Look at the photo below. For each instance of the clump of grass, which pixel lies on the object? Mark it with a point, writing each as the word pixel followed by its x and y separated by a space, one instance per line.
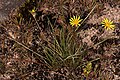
pixel 67 50
pixel 64 51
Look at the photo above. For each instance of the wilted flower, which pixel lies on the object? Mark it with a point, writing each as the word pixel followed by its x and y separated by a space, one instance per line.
pixel 33 12
pixel 87 69
pixel 75 21
pixel 108 24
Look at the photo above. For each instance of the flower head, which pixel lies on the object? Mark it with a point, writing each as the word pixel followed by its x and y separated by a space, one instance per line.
pixel 87 69
pixel 75 21
pixel 33 12
pixel 108 24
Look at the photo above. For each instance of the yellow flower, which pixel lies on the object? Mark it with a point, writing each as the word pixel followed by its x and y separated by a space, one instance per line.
pixel 108 24
pixel 75 21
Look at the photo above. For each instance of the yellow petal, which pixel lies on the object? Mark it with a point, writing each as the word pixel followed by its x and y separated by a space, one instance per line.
pixel 73 17
pixel 78 17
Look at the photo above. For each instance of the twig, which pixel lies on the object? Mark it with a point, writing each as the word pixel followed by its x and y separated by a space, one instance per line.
pixel 86 17
pixel 37 23
pixel 26 47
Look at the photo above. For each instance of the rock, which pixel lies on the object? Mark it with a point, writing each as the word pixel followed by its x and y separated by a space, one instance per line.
pixel 6 6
